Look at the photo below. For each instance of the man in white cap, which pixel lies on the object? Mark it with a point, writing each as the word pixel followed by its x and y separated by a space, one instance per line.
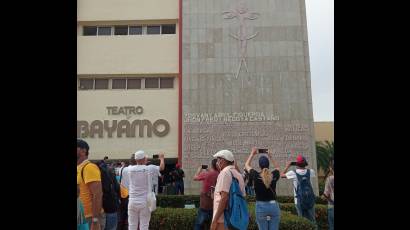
pixel 136 178
pixel 226 166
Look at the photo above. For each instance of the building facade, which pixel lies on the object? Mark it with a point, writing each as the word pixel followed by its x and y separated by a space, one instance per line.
pixel 191 77
pixel 128 68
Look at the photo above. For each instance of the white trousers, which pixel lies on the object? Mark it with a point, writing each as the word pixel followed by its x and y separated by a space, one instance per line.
pixel 138 213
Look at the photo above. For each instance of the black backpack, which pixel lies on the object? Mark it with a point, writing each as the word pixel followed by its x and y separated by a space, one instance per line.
pixel 110 189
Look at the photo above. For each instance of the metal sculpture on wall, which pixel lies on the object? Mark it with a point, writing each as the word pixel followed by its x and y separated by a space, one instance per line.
pixel 242 13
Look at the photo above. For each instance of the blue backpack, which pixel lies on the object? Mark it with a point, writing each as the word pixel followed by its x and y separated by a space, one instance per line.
pixel 304 191
pixel 236 215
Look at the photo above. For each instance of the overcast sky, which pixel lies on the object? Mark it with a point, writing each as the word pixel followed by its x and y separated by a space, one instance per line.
pixel 320 22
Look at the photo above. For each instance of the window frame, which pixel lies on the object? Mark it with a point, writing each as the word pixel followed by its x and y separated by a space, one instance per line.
pixel 111 30
pixel 112 83
pixel 128 28
pixel 134 78
pixel 79 83
pixel 108 83
pixel 96 30
pixel 145 80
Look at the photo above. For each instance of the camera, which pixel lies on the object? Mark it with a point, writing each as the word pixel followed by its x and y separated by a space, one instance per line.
pixel 156 156
pixel 293 163
pixel 204 166
pixel 262 150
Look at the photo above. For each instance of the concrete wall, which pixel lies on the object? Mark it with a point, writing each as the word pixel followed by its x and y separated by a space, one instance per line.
pixel 97 10
pixel 276 87
pixel 324 131
pixel 157 104
pixel 127 54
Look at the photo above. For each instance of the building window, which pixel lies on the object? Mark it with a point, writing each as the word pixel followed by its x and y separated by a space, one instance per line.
pixel 134 83
pixel 101 83
pixel 135 30
pixel 104 30
pixel 86 84
pixel 119 84
pixel 121 30
pixel 89 30
pixel 168 29
pixel 166 83
pixel 153 29
pixel 151 83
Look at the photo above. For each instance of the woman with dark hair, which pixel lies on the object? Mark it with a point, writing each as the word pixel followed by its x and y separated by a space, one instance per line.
pixel 267 209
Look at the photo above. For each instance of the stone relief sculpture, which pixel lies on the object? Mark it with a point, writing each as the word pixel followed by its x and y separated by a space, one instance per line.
pixel 241 13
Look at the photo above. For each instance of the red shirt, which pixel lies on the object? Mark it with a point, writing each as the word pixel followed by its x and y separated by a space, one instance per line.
pixel 208 179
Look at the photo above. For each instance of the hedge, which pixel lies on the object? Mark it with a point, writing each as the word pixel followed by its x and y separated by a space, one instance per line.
pixel 184 219
pixel 320 210
pixel 175 201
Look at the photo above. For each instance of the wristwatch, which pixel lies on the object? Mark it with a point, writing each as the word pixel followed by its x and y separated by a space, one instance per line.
pixel 95 219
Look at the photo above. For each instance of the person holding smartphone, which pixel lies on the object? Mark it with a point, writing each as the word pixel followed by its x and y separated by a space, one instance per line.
pixel 301 177
pixel 267 209
pixel 208 178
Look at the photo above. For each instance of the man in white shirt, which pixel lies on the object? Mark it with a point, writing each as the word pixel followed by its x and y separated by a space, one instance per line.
pixel 135 179
pixel 228 168
pixel 301 170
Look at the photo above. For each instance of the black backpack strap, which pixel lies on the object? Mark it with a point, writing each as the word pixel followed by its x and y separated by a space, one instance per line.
pixel 82 172
pixel 122 169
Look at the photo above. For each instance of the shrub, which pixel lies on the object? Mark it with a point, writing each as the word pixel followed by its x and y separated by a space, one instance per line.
pixel 320 210
pixel 175 201
pixel 184 219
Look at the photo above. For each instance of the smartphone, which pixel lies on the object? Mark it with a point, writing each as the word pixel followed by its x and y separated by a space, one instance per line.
pixel 204 166
pixel 262 150
pixel 292 163
pixel 156 156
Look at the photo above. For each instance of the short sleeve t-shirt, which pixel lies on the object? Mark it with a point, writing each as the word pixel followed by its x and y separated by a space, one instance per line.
pixel 208 179
pixel 292 175
pixel 223 184
pixel 263 193
pixel 136 178
pixel 91 173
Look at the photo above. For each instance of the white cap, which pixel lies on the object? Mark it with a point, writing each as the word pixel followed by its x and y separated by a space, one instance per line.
pixel 225 154
pixel 139 155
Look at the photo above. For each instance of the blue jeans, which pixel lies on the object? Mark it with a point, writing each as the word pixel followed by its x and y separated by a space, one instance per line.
pixel 330 217
pixel 179 186
pixel 267 215
pixel 111 221
pixel 307 213
pixel 203 215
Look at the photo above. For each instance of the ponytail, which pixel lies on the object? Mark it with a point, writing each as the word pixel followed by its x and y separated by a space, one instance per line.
pixel 266 177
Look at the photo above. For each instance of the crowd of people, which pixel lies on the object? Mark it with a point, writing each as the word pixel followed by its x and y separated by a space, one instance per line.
pixel 120 195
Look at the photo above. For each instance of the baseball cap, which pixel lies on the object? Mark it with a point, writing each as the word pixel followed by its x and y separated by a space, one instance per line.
pixel 263 162
pixel 82 144
pixel 225 154
pixel 140 154
pixel 301 161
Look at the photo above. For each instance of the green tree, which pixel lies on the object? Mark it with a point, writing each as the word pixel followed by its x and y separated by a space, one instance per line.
pixel 324 152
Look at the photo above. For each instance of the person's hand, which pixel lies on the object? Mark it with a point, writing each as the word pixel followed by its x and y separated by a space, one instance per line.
pixel 254 151
pixel 288 164
pixel 213 225
pixel 161 156
pixel 95 226
pixel 270 154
